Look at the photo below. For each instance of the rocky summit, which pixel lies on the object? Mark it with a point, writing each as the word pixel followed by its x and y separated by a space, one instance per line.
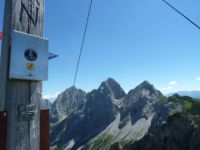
pixel 70 100
pixel 108 118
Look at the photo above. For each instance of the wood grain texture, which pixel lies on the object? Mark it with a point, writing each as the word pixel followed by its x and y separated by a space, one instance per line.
pixel 21 135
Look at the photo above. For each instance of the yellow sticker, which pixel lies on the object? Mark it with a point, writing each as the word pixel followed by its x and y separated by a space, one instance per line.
pixel 30 66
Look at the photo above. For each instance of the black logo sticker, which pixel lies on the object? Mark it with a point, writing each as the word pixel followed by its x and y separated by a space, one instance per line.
pixel 30 54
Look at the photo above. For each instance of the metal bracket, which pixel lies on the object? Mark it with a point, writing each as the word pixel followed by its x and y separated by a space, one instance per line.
pixel 26 112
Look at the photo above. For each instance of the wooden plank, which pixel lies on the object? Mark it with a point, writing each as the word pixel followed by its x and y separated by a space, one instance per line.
pixel 26 16
pixel 3 126
pixel 44 130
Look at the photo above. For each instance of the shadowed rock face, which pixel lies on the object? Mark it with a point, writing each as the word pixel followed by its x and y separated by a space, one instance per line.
pixel 181 132
pixel 98 112
pixel 143 102
pixel 115 88
pixel 70 100
pixel 144 91
pixel 109 111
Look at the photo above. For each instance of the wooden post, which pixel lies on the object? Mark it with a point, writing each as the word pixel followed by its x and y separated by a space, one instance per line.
pixel 3 127
pixel 44 130
pixel 26 16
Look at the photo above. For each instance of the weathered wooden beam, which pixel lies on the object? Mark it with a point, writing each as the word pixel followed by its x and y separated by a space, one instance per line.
pixel 26 16
pixel 44 130
pixel 3 127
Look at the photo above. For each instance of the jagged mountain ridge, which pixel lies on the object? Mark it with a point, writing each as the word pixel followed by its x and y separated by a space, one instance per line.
pixel 110 114
pixel 99 111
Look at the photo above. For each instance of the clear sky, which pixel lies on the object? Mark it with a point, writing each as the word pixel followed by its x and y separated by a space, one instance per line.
pixel 128 40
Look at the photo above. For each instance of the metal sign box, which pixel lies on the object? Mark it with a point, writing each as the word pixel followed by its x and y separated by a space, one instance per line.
pixel 29 57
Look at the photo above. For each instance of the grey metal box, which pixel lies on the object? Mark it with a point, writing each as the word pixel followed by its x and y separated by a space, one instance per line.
pixel 29 57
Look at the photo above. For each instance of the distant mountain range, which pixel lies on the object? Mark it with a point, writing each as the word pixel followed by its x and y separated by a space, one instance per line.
pixel 109 119
pixel 194 94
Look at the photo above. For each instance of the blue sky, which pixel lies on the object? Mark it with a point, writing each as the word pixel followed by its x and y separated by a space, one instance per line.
pixel 128 40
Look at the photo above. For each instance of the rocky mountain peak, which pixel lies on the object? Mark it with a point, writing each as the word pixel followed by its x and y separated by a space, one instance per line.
pixel 73 92
pixel 147 86
pixel 70 100
pixel 142 97
pixel 72 89
pixel 110 86
pixel 145 89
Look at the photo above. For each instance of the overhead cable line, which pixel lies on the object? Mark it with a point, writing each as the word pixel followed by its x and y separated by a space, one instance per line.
pixel 179 12
pixel 83 42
